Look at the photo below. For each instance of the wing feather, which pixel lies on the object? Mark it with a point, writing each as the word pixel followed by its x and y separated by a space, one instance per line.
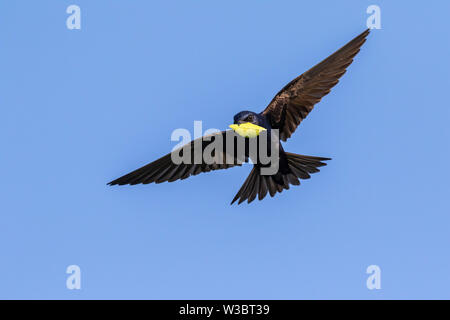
pixel 296 100
pixel 164 169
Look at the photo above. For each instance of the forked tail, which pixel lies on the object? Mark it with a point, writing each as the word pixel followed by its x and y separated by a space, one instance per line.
pixel 298 167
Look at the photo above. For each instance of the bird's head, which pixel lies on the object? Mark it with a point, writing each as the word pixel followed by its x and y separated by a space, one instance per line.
pixel 248 124
pixel 247 116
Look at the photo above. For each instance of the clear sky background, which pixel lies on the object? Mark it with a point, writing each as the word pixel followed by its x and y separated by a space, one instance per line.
pixel 82 107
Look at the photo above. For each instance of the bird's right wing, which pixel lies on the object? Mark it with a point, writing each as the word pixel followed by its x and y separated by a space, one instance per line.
pixel 294 102
pixel 164 169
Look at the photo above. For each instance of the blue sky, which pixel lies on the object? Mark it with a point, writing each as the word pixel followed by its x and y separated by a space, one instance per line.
pixel 82 107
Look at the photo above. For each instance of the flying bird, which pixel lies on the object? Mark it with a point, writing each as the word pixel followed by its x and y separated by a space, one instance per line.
pixel 285 112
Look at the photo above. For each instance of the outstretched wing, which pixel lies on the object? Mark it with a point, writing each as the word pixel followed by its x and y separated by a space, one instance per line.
pixel 293 103
pixel 164 169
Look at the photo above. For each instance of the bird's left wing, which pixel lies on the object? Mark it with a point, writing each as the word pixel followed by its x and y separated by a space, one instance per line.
pixel 293 103
pixel 164 169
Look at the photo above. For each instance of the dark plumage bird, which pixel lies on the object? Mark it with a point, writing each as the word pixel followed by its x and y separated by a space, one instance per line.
pixel 285 112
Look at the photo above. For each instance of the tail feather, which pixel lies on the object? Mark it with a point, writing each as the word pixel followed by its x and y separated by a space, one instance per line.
pixel 300 167
pixel 245 186
pixel 263 188
pixel 271 186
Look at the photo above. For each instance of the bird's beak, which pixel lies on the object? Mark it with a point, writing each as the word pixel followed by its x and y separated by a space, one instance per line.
pixel 247 129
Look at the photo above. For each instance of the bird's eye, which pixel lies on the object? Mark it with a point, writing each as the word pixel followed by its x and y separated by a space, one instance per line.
pixel 250 118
